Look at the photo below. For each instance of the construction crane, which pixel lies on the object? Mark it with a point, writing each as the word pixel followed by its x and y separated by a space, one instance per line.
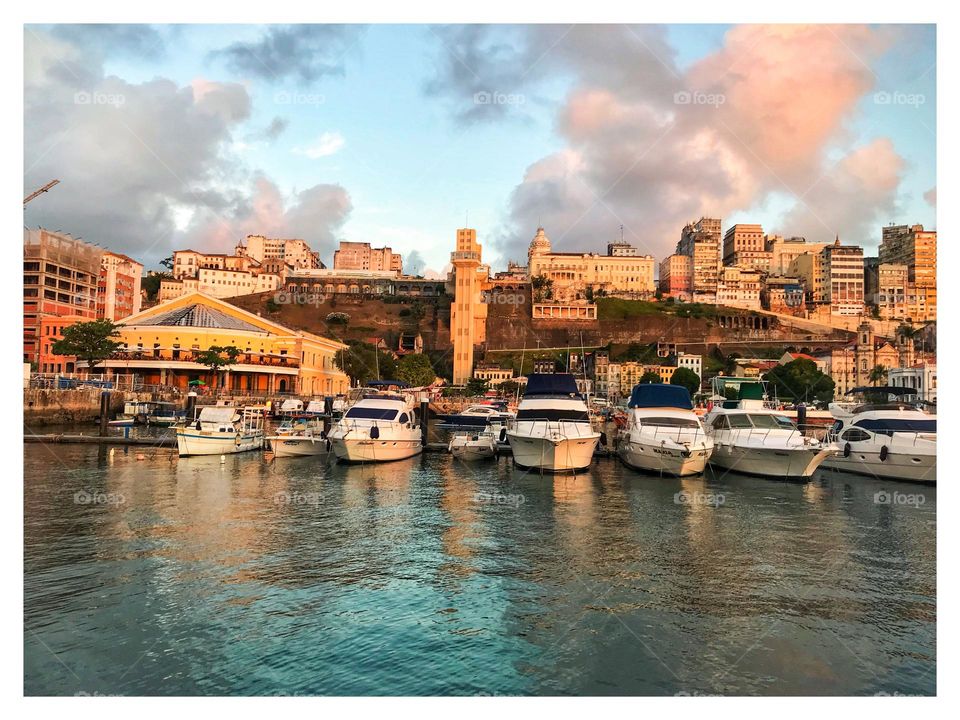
pixel 44 189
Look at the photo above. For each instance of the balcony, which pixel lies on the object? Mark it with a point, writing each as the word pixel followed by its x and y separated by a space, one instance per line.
pixel 170 355
pixel 464 255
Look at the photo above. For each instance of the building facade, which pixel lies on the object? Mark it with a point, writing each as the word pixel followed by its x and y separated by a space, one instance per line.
pixel 360 256
pixel 783 251
pixel 468 312
pixel 841 278
pixel 676 277
pixel 744 245
pixel 916 248
pixel 921 377
pixel 118 286
pixel 782 294
pixel 739 287
pixel 293 253
pixel 701 242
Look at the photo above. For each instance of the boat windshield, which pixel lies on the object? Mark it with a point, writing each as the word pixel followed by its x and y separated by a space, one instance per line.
pixel 670 422
pixel 771 422
pixel 371 413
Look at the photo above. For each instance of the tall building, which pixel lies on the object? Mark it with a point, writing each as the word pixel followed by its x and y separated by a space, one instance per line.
pixel 895 297
pixel 118 286
pixel 219 275
pixel 739 287
pixel 783 250
pixel 700 241
pixel 916 248
pixel 745 245
pixel 60 276
pixel 468 312
pixel 806 268
pixel 573 274
pixel 676 277
pixel 293 252
pixel 841 278
pixel 360 256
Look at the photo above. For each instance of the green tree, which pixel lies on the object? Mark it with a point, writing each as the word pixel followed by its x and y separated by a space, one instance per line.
pixel 167 262
pixel 360 361
pixel 416 370
pixel 476 387
pixel 649 377
pixel 542 288
pixel 687 378
pixel 878 375
pixel 92 342
pixel 800 381
pixel 217 357
pixel 151 284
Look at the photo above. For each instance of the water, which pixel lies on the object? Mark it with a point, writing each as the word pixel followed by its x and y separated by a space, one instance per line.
pixel 428 576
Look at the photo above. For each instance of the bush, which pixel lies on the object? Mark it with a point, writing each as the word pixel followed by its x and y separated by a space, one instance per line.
pixel 338 318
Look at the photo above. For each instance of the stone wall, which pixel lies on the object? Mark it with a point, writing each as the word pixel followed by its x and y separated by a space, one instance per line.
pixel 55 407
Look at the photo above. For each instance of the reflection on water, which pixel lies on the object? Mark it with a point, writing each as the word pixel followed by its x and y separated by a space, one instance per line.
pixel 433 576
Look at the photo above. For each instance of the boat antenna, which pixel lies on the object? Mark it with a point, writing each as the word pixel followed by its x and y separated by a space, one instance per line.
pixel 522 353
pixel 583 367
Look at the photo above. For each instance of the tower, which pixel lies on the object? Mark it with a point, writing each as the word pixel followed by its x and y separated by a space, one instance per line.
pixel 468 311
pixel 863 354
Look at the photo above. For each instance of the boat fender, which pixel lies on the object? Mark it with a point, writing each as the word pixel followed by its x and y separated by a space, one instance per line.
pixel 329 445
pixel 236 440
pixel 884 453
pixel 846 450
pixel 374 432
pixel 603 439
pixel 503 434
pixel 198 424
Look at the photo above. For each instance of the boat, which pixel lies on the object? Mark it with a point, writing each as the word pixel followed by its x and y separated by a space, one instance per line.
pixel 289 408
pixel 552 430
pixel 131 412
pixel 340 405
pixel 479 415
pixel 750 437
pixel 222 429
pixel 663 434
pixel 164 414
pixel 882 436
pixel 381 426
pixel 299 439
pixel 477 445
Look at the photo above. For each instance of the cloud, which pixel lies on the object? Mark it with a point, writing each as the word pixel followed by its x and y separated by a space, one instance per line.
pixel 651 146
pixel 931 196
pixel 271 132
pixel 144 42
pixel 307 52
pixel 139 162
pixel 329 143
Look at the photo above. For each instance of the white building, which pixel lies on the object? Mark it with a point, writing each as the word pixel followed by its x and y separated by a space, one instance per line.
pixel 922 378
pixel 691 362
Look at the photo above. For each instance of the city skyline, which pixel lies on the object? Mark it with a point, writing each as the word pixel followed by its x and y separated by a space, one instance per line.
pixel 392 134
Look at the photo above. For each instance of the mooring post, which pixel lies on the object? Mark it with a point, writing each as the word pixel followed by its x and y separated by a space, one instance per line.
pixel 191 408
pixel 104 412
pixel 327 414
pixel 424 423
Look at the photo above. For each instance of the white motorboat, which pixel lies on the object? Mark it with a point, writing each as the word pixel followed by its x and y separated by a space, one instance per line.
pixel 478 445
pixel 663 434
pixel 222 429
pixel 882 437
pixel 750 438
pixel 380 427
pixel 552 430
pixel 479 415
pixel 299 444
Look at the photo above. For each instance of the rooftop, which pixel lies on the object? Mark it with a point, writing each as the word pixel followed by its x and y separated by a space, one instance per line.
pixel 197 315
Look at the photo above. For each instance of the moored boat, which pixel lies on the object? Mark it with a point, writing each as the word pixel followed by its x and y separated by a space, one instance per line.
pixel 478 445
pixel 219 430
pixel 381 426
pixel 663 434
pixel 479 415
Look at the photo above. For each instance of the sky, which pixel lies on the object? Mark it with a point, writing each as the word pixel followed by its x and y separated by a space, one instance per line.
pixel 168 137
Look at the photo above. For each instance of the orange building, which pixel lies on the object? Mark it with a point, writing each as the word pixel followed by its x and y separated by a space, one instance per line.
pixel 118 287
pixel 51 329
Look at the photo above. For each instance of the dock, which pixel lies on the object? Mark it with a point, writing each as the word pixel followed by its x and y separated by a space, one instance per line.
pixel 52 439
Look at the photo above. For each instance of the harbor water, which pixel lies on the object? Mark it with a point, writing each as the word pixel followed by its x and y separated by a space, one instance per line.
pixel 146 574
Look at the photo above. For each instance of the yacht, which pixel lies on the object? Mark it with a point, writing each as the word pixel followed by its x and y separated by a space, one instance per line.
pixel 479 415
pixel 663 434
pixel 381 426
pixel 552 430
pixel 881 436
pixel 476 445
pixel 751 438
pixel 222 429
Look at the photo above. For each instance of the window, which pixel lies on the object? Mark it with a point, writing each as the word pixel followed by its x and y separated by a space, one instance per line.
pixel 855 435
pixel 720 423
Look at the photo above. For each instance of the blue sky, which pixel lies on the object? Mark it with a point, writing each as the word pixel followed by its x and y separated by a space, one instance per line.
pixel 388 130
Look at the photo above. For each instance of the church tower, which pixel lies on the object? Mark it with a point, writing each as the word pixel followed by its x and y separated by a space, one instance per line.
pixel 864 355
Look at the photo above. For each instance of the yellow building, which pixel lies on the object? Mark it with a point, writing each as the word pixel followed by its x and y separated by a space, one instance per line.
pixel 468 312
pixel 158 346
pixel 621 272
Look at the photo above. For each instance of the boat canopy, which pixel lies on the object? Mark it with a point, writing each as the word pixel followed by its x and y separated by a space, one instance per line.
pixel 550 384
pixel 291 405
pixel 751 391
pixel 218 414
pixel 651 395
pixel 387 383
pixel 888 426
pixel 883 389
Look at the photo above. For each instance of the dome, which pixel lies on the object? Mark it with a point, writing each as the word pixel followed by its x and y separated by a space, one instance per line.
pixel 540 243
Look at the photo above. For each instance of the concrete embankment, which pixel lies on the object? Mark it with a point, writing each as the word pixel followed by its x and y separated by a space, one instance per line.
pixel 60 407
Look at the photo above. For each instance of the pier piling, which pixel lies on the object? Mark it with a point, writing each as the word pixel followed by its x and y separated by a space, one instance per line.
pixel 104 412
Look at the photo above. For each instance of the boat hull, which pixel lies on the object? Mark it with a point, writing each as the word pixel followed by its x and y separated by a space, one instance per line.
pixel 292 446
pixel 553 454
pixel 794 463
pixel 194 442
pixel 357 450
pixel 654 458
pixel 897 466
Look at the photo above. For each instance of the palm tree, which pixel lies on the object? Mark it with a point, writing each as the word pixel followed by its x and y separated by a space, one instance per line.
pixel 878 375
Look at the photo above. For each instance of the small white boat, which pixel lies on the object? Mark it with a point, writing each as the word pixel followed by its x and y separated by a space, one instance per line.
pixel 663 435
pixel 552 430
pixel 299 444
pixel 381 426
pixel 164 414
pixel 883 438
pixel 750 438
pixel 474 446
pixel 219 430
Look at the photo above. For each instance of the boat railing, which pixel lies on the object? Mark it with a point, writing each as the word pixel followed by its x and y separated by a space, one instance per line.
pixel 679 435
pixel 911 436
pixel 549 426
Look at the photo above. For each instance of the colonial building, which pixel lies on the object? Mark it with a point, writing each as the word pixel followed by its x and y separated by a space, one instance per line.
pixel 220 275
pixel 360 256
pixel 851 366
pixel 739 287
pixel 494 375
pixel 575 276
pixel 781 294
pixel 921 377
pixel 118 286
pixel 293 253
pixel 327 281
pixel 60 278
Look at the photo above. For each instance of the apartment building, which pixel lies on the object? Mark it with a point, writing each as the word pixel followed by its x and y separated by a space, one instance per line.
pixel 784 250
pixel 360 256
pixel 118 286
pixel 841 278
pixel 744 245
pixel 676 277
pixel 916 248
pixel 279 252
pixel 739 287
pixel 701 241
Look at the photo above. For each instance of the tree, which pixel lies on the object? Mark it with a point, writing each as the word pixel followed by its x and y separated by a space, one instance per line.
pixel 649 377
pixel 508 388
pixel 416 370
pixel 362 360
pixel 800 381
pixel 687 378
pixel 476 387
pixel 167 262
pixel 878 375
pixel 217 357
pixel 151 284
pixel 542 288
pixel 92 342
